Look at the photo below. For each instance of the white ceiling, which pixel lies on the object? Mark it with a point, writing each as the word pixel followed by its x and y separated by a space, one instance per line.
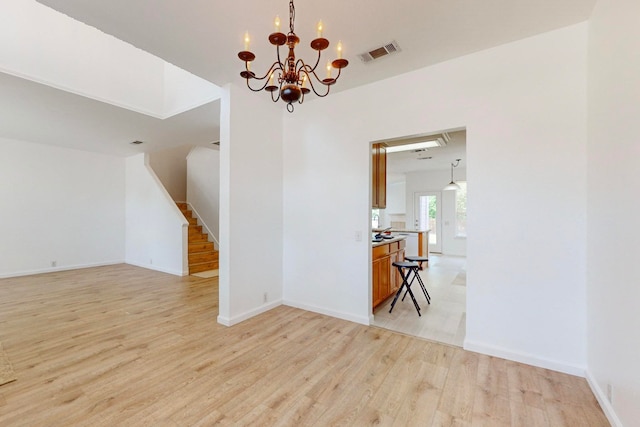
pixel 438 158
pixel 204 36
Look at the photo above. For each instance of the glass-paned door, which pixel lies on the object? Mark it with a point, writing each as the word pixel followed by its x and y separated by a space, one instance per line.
pixel 428 215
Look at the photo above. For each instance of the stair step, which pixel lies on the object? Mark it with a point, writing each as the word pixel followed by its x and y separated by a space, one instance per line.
pixel 192 221
pixel 182 206
pixel 198 238
pixel 195 229
pixel 203 257
pixel 200 247
pixel 204 266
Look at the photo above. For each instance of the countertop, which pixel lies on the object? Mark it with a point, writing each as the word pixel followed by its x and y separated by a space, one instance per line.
pixel 396 238
pixel 401 230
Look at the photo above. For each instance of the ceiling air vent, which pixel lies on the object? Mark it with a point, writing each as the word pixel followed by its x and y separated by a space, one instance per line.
pixel 380 52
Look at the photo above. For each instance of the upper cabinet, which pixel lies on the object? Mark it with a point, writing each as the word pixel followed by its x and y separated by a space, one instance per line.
pixel 379 176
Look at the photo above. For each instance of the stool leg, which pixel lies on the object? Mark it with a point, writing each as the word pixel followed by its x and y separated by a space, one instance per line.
pixel 424 288
pixel 393 303
pixel 408 286
pixel 413 298
pixel 409 283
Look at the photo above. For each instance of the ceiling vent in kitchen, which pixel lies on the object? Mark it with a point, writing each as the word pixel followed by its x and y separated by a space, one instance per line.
pixel 380 52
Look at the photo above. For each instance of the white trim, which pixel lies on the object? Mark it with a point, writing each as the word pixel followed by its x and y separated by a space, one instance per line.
pixel 216 244
pixel 249 314
pixel 363 320
pixel 60 268
pixel 529 359
pixel 160 269
pixel 606 406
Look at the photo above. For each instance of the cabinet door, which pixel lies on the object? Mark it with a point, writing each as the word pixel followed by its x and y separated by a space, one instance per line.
pixel 380 280
pixel 382 177
pixel 374 176
pixel 378 176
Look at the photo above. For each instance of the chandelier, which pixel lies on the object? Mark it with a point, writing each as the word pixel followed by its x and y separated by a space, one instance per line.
pixel 288 80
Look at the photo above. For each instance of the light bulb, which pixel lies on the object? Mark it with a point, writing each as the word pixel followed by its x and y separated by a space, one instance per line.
pixel 277 23
pixel 339 48
pixel 246 41
pixel 328 70
pixel 319 29
pixel 271 79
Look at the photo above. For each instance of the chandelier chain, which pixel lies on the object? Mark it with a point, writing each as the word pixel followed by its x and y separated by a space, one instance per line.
pixel 292 16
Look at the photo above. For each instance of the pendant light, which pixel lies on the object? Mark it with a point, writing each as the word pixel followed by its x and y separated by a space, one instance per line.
pixel 452 185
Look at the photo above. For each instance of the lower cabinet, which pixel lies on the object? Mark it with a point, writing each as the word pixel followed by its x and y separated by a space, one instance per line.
pixel 385 277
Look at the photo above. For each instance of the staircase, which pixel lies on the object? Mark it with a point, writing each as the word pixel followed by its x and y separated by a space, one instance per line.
pixel 202 255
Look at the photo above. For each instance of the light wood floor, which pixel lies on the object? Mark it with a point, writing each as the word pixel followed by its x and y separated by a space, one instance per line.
pixel 444 320
pixel 125 346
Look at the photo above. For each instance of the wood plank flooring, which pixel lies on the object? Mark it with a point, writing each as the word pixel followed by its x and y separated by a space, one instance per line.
pixel 125 346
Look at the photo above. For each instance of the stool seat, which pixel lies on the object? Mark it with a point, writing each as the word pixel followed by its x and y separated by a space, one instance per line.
pixel 418 259
pixel 405 264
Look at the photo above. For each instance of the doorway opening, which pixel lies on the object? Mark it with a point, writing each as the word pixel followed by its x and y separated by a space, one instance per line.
pixel 417 203
pixel 428 216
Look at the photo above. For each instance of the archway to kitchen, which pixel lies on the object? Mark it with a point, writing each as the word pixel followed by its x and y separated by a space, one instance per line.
pixel 408 177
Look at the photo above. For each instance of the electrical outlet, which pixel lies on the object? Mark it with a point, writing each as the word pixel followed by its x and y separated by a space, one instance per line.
pixel 358 236
pixel 265 297
pixel 610 393
pixel 54 263
pixel 151 261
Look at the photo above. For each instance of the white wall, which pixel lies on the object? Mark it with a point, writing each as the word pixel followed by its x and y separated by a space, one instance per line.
pixel 396 198
pixel 170 166
pixel 36 43
pixel 156 230
pixel 436 181
pixel 59 205
pixel 203 188
pixel 524 108
pixel 613 185
pixel 250 204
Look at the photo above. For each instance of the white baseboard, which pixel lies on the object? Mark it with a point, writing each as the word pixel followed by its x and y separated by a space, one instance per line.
pixel 363 320
pixel 527 359
pixel 160 269
pixel 601 396
pixel 59 268
pixel 230 321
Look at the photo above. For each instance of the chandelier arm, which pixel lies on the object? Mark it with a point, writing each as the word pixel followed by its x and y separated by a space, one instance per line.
pixel 317 62
pixel 277 97
pixel 313 88
pixel 275 66
pixel 278 55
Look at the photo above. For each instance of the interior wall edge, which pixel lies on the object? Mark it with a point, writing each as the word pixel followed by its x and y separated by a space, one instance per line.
pixel 337 314
pixel 529 359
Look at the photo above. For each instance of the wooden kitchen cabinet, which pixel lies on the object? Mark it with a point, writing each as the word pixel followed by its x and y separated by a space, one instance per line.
pixel 385 277
pixel 379 176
